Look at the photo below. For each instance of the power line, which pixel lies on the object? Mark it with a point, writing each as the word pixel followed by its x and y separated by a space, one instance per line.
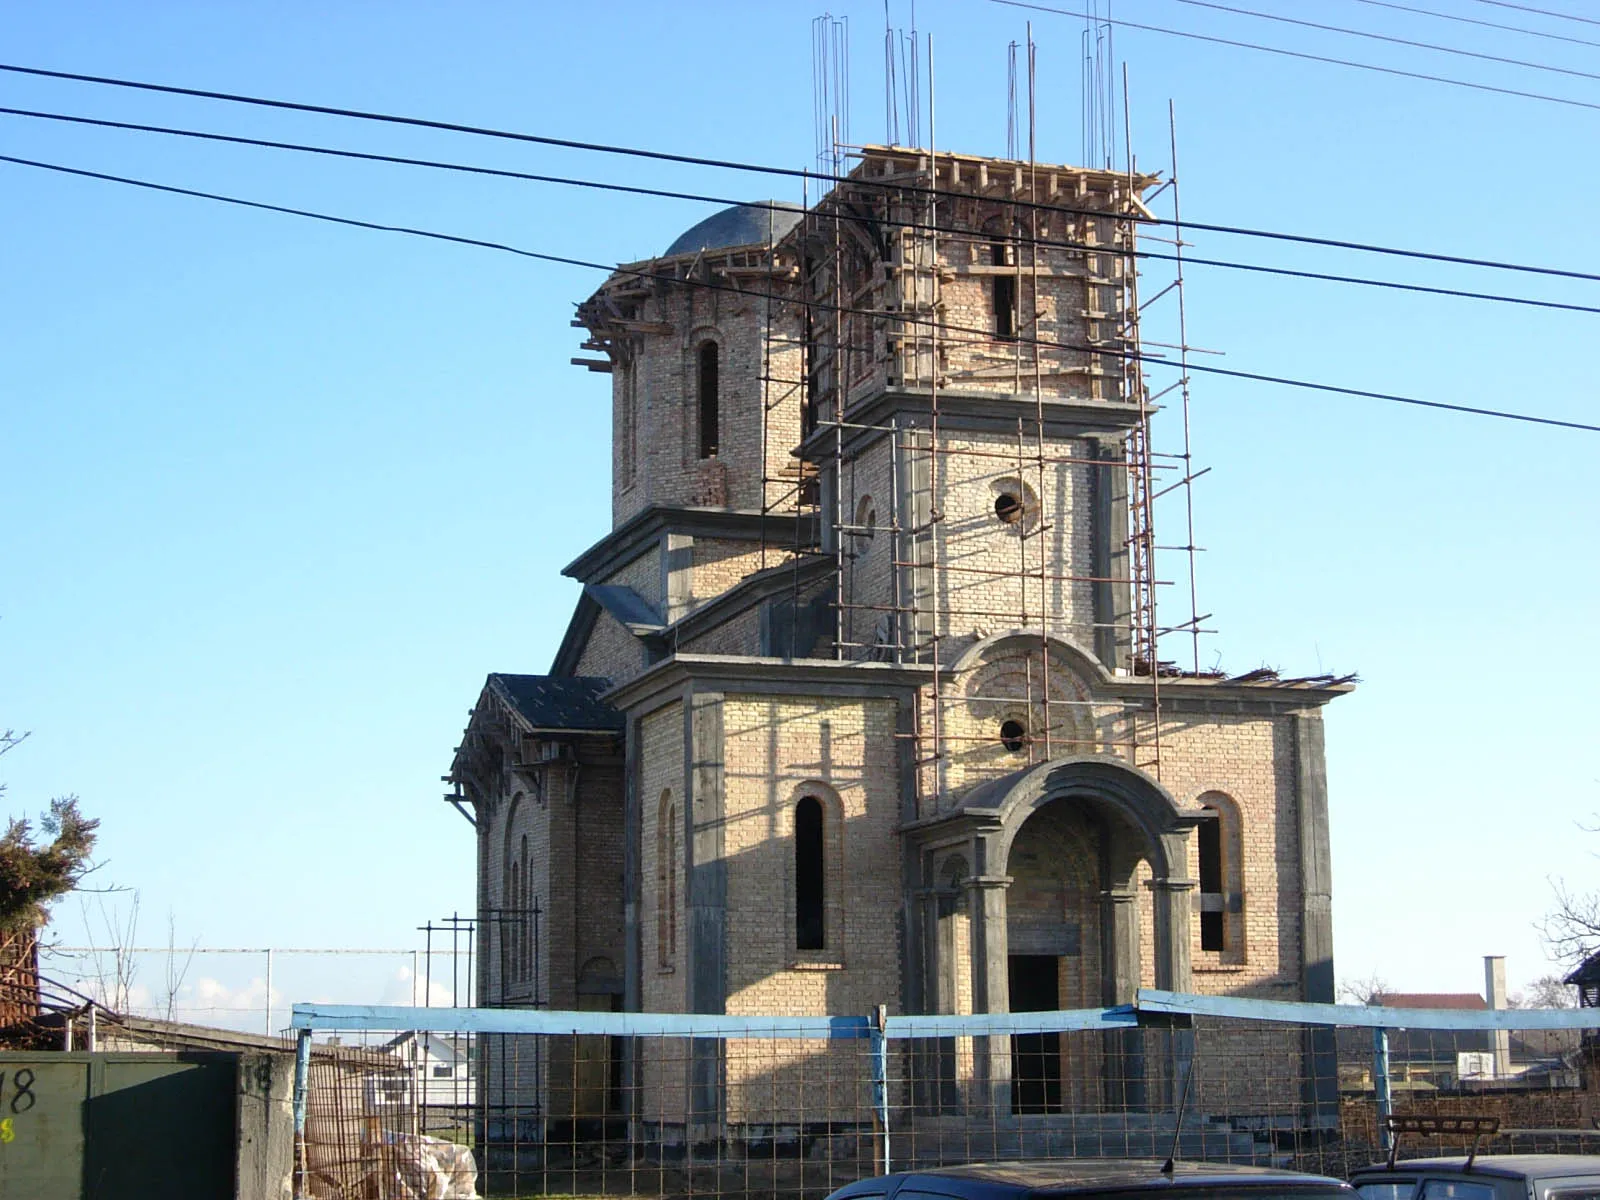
pixel 1429 12
pixel 1383 37
pixel 663 193
pixel 1543 12
pixel 814 176
pixel 904 318
pixel 1321 58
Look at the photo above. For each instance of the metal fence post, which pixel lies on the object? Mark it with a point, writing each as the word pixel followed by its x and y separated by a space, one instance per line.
pixel 879 1045
pixel 302 1088
pixel 1380 1085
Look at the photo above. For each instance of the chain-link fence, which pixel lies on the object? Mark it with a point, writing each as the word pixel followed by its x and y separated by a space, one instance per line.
pixel 582 1103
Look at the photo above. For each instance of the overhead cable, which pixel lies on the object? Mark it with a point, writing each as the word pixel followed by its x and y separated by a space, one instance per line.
pixel 795 173
pixel 1383 37
pixel 1444 16
pixel 664 193
pixel 1304 56
pixel 903 318
pixel 1543 12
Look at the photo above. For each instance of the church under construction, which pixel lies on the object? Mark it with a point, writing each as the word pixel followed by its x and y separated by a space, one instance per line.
pixel 861 703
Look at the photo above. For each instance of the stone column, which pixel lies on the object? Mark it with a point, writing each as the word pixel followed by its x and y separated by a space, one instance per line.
pixel 1321 1089
pixel 1172 933
pixel 1119 945
pixel 927 937
pixel 1172 962
pixel 991 992
pixel 1123 1073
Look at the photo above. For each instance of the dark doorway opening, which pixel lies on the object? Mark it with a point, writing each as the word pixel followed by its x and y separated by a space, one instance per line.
pixel 1035 984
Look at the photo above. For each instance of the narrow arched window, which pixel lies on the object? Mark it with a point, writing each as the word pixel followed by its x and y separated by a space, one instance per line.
pixel 809 876
pixel 627 422
pixel 672 883
pixel 1213 918
pixel 508 923
pixel 525 915
pixel 708 384
pixel 666 881
pixel 808 395
pixel 1005 294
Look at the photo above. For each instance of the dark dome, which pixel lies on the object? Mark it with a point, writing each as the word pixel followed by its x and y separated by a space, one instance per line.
pixel 757 224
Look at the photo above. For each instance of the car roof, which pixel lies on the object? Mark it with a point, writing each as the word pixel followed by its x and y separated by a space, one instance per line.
pixel 1095 1174
pixel 1514 1166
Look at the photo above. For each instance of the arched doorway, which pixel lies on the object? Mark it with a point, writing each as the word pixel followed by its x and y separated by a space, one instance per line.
pixel 1053 951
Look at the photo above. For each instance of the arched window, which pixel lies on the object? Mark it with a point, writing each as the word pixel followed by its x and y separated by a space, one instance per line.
pixel 666 881
pixel 509 922
pixel 808 396
pixel 708 384
pixel 627 422
pixel 866 526
pixel 1221 900
pixel 525 913
pixel 1213 924
pixel 810 877
pixel 1005 293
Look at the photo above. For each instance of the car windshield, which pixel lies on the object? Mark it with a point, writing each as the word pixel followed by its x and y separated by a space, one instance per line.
pixel 1388 1189
pixel 1285 1190
pixel 1456 1189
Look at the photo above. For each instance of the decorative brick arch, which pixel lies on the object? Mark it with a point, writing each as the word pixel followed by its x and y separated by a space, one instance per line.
pixel 1108 783
pixel 1142 823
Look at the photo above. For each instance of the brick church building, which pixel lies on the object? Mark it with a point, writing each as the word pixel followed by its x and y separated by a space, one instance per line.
pixel 861 702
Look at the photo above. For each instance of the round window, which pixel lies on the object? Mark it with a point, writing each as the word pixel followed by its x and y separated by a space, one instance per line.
pixel 1008 507
pixel 1013 736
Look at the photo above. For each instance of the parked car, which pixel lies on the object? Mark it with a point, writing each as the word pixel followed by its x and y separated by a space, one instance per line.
pixel 1096 1178
pixel 1485 1177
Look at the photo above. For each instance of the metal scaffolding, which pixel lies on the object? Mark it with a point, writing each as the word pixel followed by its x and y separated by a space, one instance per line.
pixel 861 304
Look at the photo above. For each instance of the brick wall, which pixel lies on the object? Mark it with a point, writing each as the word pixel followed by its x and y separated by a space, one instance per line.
pixel 1249 760
pixel 611 652
pixel 719 563
pixel 659 378
pixel 842 752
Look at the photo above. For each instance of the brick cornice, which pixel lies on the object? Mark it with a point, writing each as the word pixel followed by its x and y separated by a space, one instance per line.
pixel 752 674
pixel 640 533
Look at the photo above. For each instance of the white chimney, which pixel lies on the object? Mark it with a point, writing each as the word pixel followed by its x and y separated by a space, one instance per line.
pixel 1494 992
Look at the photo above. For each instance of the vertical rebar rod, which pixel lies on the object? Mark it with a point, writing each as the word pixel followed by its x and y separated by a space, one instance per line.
pixel 935 512
pixel 896 551
pixel 1038 398
pixel 1183 378
pixel 841 381
pixel 1145 536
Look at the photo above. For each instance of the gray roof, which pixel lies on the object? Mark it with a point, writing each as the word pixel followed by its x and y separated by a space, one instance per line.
pixel 560 702
pixel 630 609
pixel 757 224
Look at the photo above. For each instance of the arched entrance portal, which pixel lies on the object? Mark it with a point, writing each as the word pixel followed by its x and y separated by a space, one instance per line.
pixel 1052 908
pixel 1053 950
pixel 1072 941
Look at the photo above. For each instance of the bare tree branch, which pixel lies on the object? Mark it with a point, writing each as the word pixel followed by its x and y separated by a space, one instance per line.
pixel 1545 992
pixel 176 973
pixel 1368 990
pixel 1571 930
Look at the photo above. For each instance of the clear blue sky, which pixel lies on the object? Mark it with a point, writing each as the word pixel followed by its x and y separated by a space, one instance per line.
pixel 278 495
